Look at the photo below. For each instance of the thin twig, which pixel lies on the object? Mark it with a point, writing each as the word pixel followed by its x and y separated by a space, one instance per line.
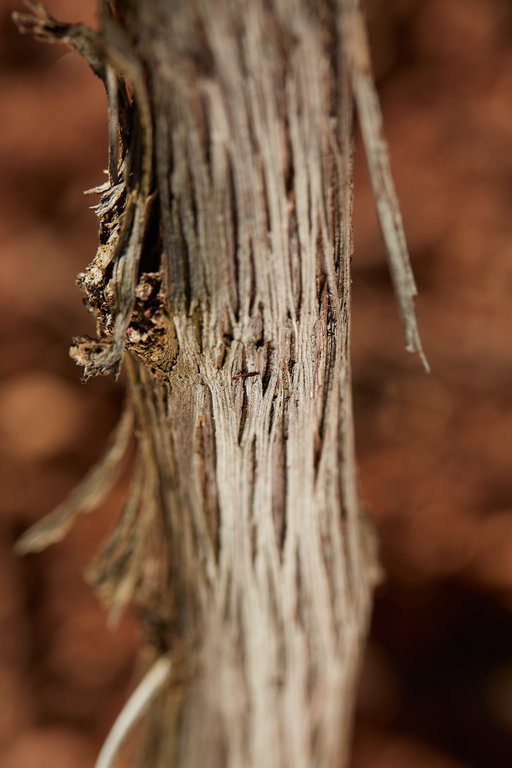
pixel 46 29
pixel 85 497
pixel 356 47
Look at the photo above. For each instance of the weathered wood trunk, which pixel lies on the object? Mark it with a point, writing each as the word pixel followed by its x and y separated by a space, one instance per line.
pixel 222 281
pixel 267 587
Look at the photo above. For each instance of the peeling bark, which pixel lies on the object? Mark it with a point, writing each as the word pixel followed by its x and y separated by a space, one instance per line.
pixel 222 283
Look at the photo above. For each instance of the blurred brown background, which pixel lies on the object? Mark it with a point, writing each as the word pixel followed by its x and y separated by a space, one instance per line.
pixel 434 452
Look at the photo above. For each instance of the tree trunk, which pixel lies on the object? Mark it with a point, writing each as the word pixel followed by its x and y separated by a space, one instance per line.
pixel 222 281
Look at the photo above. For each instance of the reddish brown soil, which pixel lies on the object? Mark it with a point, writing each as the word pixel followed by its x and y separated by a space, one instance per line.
pixel 435 452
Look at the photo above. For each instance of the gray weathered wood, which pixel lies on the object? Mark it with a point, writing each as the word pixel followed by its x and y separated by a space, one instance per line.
pixel 222 284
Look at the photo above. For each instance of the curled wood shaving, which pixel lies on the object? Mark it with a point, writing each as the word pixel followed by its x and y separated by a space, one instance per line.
pixel 146 691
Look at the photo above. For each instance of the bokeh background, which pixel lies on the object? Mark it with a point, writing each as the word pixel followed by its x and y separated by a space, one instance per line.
pixel 435 453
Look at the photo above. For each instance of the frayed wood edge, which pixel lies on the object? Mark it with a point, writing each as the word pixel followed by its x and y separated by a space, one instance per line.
pixel 148 688
pixel 106 354
pixel 354 40
pixel 119 567
pixel 85 497
pixel 111 57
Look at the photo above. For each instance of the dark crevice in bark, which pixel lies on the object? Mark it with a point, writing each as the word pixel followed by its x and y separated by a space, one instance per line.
pixel 252 297
pixel 252 508
pixel 232 233
pixel 243 411
pixel 265 380
pixel 279 496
